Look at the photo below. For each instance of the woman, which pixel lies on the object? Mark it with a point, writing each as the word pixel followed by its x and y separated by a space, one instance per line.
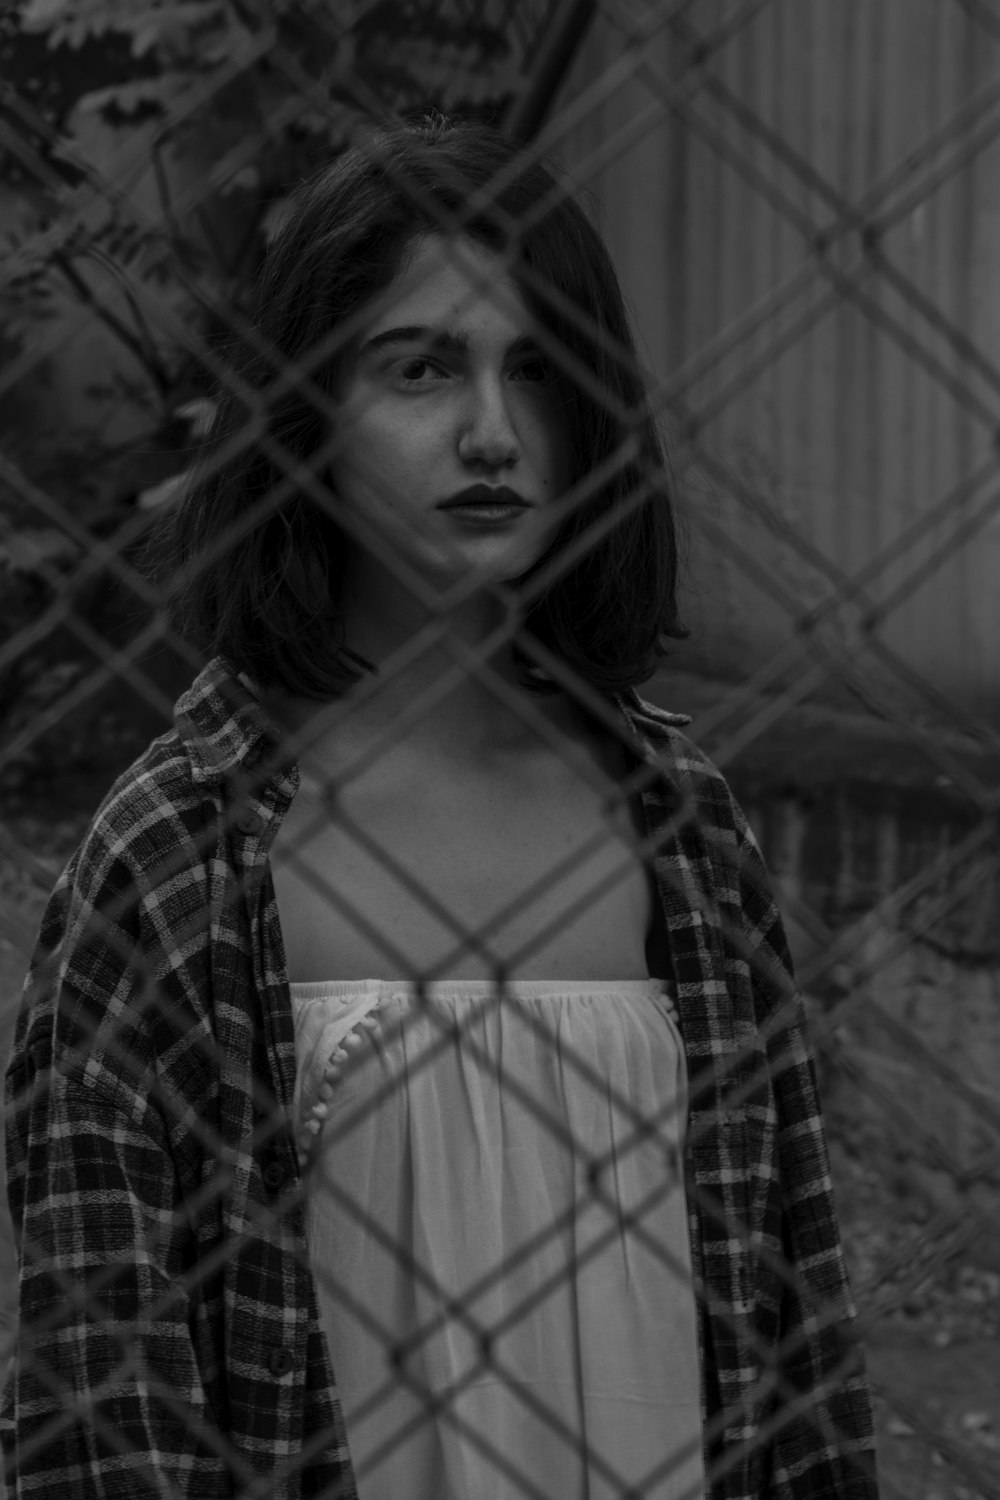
pixel 411 1097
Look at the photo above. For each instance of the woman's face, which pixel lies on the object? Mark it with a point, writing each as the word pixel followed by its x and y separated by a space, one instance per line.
pixel 450 439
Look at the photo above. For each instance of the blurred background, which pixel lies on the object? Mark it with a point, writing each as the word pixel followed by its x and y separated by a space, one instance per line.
pixel 803 199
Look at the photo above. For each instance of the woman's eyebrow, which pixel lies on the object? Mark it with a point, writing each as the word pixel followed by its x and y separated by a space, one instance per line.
pixel 435 338
pixel 441 339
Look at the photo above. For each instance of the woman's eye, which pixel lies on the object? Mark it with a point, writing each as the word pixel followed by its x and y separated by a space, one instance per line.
pixel 534 370
pixel 418 371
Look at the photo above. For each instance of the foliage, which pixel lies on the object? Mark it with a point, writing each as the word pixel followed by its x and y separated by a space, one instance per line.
pixel 146 201
pixel 151 144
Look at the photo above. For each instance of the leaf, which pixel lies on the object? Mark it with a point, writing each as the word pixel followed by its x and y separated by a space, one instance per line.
pixel 975 1421
pixel 164 493
pixel 71 25
pixel 273 217
pixel 39 15
pixel 32 551
pixel 199 414
pixel 171 27
pixel 247 176
pixel 127 98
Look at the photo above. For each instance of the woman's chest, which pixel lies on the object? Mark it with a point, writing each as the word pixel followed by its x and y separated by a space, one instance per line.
pixel 537 881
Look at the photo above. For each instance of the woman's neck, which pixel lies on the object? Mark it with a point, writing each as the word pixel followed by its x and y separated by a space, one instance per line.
pixel 447 685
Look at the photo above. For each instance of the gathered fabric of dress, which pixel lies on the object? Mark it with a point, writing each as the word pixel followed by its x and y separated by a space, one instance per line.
pixel 497 1225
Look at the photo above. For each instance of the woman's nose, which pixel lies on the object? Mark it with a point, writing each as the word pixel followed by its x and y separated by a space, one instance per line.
pixel 488 435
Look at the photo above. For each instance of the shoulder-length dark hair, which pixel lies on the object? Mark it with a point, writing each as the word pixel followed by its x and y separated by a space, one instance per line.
pixel 258 560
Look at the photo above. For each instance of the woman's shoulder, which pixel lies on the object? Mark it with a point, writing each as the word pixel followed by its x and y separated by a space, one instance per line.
pixel 162 802
pixel 722 852
pixel 154 805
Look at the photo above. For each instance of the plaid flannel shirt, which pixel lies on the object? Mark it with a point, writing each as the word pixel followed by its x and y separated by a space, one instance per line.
pixel 169 1339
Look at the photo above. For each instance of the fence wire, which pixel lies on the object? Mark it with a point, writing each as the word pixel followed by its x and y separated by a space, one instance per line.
pixel 137 203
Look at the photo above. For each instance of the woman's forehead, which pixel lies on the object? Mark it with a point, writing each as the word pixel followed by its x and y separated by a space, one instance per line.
pixel 453 285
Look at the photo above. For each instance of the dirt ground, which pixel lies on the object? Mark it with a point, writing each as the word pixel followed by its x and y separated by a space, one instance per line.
pixel 933 1354
pixel 934 1358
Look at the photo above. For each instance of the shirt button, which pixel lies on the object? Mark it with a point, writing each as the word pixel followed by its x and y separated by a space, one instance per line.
pixel 280 1361
pixel 250 823
pixel 274 1175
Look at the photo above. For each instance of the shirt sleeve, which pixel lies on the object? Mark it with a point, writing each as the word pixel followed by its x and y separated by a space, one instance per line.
pixel 823 1442
pixel 107 1397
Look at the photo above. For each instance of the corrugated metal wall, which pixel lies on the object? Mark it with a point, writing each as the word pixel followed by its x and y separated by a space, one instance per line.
pixel 853 387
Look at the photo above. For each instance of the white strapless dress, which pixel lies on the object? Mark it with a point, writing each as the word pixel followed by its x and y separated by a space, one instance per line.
pixel 497 1224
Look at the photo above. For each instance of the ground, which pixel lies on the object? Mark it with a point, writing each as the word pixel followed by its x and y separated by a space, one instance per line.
pixel 933 1354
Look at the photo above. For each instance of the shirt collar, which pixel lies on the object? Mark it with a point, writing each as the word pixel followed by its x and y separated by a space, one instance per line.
pixel 222 724
pixel 647 724
pixel 225 728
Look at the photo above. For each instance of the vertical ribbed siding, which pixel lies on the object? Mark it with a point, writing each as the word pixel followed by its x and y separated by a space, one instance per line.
pixel 845 434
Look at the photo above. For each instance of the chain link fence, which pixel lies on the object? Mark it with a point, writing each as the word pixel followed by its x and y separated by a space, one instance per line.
pixel 149 153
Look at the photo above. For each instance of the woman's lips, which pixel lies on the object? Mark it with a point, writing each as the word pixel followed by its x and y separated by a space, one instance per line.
pixel 484 504
pixel 485 512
